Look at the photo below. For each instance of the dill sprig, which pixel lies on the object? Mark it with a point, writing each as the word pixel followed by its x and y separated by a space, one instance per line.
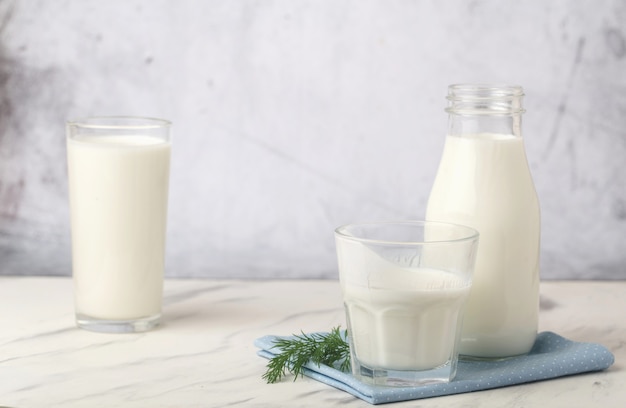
pixel 319 348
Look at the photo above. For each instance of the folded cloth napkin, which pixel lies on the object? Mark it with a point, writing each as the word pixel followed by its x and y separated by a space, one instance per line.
pixel 552 356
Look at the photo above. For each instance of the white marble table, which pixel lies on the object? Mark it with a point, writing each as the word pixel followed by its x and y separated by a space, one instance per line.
pixel 203 355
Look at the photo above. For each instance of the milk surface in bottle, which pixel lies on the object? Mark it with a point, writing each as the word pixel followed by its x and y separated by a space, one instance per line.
pixel 484 182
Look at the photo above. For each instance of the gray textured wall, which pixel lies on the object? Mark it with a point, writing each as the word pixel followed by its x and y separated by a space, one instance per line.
pixel 294 116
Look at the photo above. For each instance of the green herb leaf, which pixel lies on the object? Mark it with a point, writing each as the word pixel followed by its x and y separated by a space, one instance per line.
pixel 295 352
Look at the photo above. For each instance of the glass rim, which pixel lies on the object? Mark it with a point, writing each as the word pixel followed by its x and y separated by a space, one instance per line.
pixel 471 233
pixel 119 122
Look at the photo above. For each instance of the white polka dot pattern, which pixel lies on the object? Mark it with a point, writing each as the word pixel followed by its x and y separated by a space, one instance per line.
pixel 552 356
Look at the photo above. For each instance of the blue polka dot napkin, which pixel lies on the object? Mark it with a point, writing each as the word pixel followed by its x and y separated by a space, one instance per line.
pixel 552 356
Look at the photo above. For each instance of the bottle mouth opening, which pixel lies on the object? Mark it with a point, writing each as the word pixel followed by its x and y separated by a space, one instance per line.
pixel 485 99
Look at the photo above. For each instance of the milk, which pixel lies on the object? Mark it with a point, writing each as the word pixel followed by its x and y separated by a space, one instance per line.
pixel 118 198
pixel 484 182
pixel 402 318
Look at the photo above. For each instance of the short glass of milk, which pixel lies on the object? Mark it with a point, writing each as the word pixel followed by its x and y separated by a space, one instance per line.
pixel 404 287
pixel 118 169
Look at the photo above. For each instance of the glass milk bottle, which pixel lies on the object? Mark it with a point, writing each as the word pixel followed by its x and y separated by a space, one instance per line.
pixel 484 182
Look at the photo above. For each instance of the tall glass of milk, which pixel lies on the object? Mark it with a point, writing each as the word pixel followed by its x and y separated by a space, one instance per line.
pixel 118 171
pixel 404 285
pixel 484 182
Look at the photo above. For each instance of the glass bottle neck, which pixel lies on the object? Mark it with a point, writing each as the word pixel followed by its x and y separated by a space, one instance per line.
pixel 479 109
